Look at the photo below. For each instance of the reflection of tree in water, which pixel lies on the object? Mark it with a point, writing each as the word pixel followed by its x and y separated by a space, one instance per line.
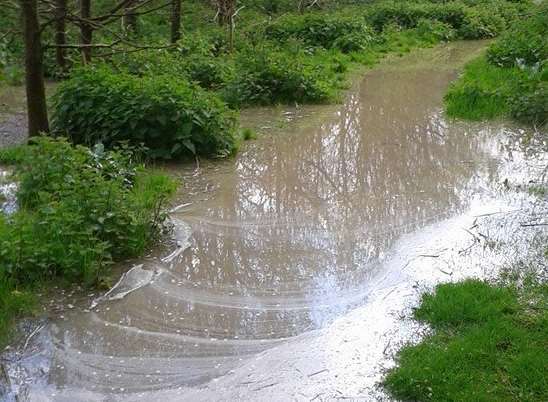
pixel 330 199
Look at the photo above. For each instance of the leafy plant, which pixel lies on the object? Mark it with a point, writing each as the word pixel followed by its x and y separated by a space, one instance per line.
pixel 268 74
pixel 80 210
pixel 435 31
pixel 345 33
pixel 470 22
pixel 530 103
pixel 172 118
pixel 526 43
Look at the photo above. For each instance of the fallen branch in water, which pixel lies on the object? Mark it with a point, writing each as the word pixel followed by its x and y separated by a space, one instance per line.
pixel 31 335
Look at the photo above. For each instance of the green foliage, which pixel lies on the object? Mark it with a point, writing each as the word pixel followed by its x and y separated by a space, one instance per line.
pixel 13 303
pixel 511 81
pixel 530 103
pixel 268 74
pixel 526 43
pixel 172 118
pixel 483 91
pixel 80 210
pixel 466 303
pixel 12 75
pixel 248 134
pixel 488 345
pixel 13 155
pixel 435 31
pixel 480 24
pixel 469 22
pixel 348 34
pixel 202 68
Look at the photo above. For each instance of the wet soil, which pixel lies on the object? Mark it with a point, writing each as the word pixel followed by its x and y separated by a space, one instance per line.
pixel 13 119
pixel 296 260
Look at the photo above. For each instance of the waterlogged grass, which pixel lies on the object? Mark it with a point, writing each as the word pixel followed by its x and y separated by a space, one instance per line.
pixel 488 344
pixel 483 91
pixel 80 210
pixel 512 80
pixel 14 303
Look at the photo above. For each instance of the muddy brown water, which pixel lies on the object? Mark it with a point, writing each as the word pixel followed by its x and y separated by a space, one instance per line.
pixel 277 244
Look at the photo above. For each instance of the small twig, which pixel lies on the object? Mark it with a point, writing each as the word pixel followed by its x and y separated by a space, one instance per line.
pixel 31 335
pixel 317 372
pixel 386 347
pixel 265 386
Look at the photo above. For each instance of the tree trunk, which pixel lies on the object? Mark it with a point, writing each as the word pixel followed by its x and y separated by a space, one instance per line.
pixel 129 20
pixel 86 30
pixel 60 35
pixel 37 112
pixel 175 20
pixel 225 9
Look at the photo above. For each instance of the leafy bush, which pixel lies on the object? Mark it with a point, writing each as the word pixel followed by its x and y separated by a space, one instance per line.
pixel 513 78
pixel 435 30
pixel 469 22
pixel 13 75
pixel 269 75
pixel 481 24
pixel 171 117
pixel 530 103
pixel 345 33
pixel 80 210
pixel 526 43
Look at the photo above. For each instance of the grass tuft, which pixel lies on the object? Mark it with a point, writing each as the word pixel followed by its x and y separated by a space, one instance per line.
pixel 488 344
pixel 483 91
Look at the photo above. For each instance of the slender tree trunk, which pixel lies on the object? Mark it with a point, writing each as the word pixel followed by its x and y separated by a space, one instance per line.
pixel 60 35
pixel 86 30
pixel 175 20
pixel 37 112
pixel 129 20
pixel 226 9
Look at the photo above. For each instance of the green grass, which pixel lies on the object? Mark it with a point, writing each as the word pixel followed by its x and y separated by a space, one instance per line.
pixel 511 80
pixel 489 343
pixel 483 91
pixel 14 303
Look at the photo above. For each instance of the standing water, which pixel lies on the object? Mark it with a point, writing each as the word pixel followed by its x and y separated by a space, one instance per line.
pixel 271 293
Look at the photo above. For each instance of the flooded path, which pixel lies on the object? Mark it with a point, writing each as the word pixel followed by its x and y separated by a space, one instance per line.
pixel 295 257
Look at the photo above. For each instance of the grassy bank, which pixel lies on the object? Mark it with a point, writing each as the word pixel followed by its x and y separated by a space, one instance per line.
pixel 511 80
pixel 79 211
pixel 488 344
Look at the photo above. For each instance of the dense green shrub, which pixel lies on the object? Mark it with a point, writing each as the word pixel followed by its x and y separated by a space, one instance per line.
pixel 481 24
pixel 204 69
pixel 469 22
pixel 345 33
pixel 268 74
pixel 80 210
pixel 526 43
pixel 171 117
pixel 530 103
pixel 435 31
